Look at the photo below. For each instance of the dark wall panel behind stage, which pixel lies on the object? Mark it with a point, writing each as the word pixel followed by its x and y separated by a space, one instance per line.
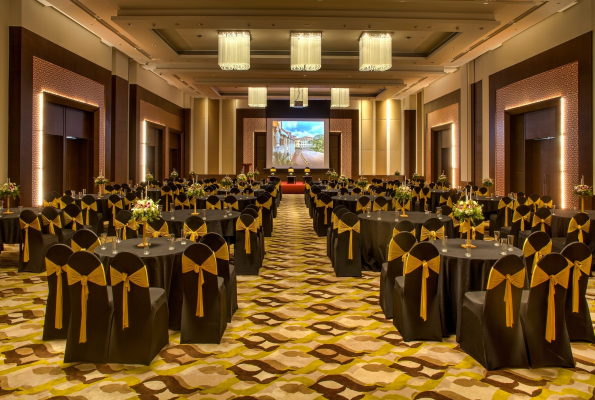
pixel 315 109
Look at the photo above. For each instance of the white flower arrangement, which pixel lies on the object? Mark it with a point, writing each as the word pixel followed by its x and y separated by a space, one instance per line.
pixel 487 182
pixel 362 182
pixel 195 190
pixel 10 189
pixel 100 180
pixel 250 175
pixel 468 209
pixel 442 178
pixel 226 182
pixel 241 178
pixel 583 190
pixel 174 174
pixel 145 210
pixel 149 177
pixel 402 194
pixel 343 178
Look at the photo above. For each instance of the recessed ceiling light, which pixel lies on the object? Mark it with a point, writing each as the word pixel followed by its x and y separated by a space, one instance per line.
pixel 198 36
pixel 452 48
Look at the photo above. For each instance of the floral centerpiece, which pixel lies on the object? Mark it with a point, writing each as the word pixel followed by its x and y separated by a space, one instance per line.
pixel 397 173
pixel 583 191
pixel 9 190
pixel 149 177
pixel 195 190
pixel 226 182
pixel 256 173
pixel 192 174
pixel 250 175
pixel 100 181
pixel 468 212
pixel 487 182
pixel 442 178
pixel 402 196
pixel 329 173
pixel 362 182
pixel 145 211
pixel 242 178
pixel 344 179
pixel 334 175
pixel 174 174
pixel 415 176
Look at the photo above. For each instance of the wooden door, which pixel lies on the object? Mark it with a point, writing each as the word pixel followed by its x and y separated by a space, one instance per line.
pixel 260 151
pixel 335 151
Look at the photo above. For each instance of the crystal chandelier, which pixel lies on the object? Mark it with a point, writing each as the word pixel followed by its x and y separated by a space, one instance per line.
pixel 257 97
pixel 306 51
pixel 375 51
pixel 234 50
pixel 339 97
pixel 298 97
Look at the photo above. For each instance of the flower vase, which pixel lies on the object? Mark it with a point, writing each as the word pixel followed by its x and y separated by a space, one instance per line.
pixel 7 206
pixel 195 201
pixel 582 203
pixel 100 190
pixel 468 245
pixel 403 215
pixel 144 243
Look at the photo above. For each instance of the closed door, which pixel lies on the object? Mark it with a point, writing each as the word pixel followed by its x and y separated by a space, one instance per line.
pixel 260 150
pixel 542 171
pixel 335 151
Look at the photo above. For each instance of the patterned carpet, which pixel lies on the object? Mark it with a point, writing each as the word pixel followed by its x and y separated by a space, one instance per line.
pixel 300 333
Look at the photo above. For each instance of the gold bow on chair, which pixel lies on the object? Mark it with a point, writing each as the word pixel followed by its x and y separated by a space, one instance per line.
pixel 127 202
pixel 343 227
pixel 222 253
pixel 502 204
pixel 163 231
pixel 139 278
pixel 267 204
pixel 97 277
pixel 518 280
pixel 235 205
pixel 396 231
pixel 113 206
pixel 167 194
pixel 359 206
pixel 75 246
pixel 581 228
pixel 326 206
pixel 464 227
pixel 85 206
pixel 52 223
pixel 35 225
pixel 579 267
pixel 132 224
pixel 543 221
pixel 450 203
pixel 53 203
pixel 412 264
pixel 377 207
pixel 561 278
pixel 61 204
pixel 443 200
pixel 516 216
pixel 428 234
pixel 210 265
pixel 52 268
pixel 252 228
pixel 529 250
pixel 185 203
pixel 76 220
pixel 194 235
pixel 395 251
pixel 399 207
pixel 216 206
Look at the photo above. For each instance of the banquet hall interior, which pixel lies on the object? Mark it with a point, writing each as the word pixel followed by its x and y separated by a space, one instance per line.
pixel 325 199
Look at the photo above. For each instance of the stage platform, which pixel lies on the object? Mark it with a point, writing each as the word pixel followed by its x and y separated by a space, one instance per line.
pixel 292 188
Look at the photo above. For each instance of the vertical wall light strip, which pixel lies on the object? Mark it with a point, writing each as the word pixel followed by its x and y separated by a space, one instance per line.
pixel 562 151
pixel 206 148
pixel 40 168
pixel 373 137
pixel 143 151
pixel 453 157
pixel 388 110
pixel 220 136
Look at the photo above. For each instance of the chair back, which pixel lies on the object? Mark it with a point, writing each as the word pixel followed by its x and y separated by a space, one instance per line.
pixel 115 203
pixel 482 191
pixel 348 234
pixel 253 213
pixel 380 203
pixel 50 200
pixel 324 205
pixel 580 257
pixel 57 309
pixel 362 203
pixel 521 200
pixel 432 229
pixel 69 192
pixel 356 191
pixel 503 295
pixel 130 228
pixel 84 240
pixel 537 246
pixel 404 226
pixel 73 217
pixel 231 201
pixel 421 282
pixel 157 228
pixel 398 251
pixel 533 200
pixel 248 192
pixel 52 223
pixel 182 202
pixel 64 201
pixel 166 197
pixel 109 189
pixel 453 199
pixel 117 187
pixel 520 194
pixel 432 185
pixel 129 200
pixel 213 203
pixel 195 228
pixel 89 209
pixel 545 201
pixel 542 221
pixel 579 229
pixel 246 234
pixel 219 246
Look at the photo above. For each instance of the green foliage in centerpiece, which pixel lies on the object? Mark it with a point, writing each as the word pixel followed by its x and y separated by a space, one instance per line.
pixel 10 189
pixel 402 194
pixel 362 182
pixel 467 209
pixel 583 190
pixel 195 190
pixel 145 211
pixel 487 182
pixel 226 182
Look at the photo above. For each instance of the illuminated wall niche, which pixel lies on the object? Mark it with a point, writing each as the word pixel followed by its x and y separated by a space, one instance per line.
pixel 558 82
pixel 49 78
pixel 444 116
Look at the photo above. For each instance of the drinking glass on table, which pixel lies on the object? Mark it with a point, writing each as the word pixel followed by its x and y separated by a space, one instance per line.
pixel 368 211
pixel 172 210
pixel 554 209
pixel 467 251
pixel 171 242
pixel 147 246
pixel 379 218
pixel 503 246
pixel 84 192
pixel 119 235
pixel 204 214
pixel 114 247
pixel 510 242
pixel 444 244
pixel 496 238
pixel 426 211
pixel 80 195
pixel 396 215
pixel 102 240
pixel 183 241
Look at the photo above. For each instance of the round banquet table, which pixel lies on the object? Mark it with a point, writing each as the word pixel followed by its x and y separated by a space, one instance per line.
pixel 257 192
pixel 216 221
pixel 164 268
pixel 102 206
pixel 334 192
pixel 489 205
pixel 460 274
pixel 10 227
pixel 561 221
pixel 350 201
pixel 375 234
pixel 243 201
pixel 154 194
pixel 436 197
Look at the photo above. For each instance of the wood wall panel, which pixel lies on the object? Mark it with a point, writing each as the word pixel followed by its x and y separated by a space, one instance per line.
pixel 119 131
pixel 476 133
pixel 409 142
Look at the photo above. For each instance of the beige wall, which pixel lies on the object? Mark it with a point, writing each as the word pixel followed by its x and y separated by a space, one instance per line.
pixel 154 83
pixel 4 24
pixel 200 156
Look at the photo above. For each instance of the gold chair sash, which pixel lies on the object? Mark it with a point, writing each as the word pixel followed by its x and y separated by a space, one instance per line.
pixel 185 203
pixel 545 221
pixel 97 277
pixel 75 246
pixel 359 206
pixel 428 234
pixel 516 216
pixel 396 231
pixel 326 206
pixel 579 267
pixel 216 206
pixel 529 250
pixel 113 206
pixel 139 278
pixel 400 207
pixel 464 227
pixel 167 194
pixel 414 194
pixel 267 204
pixel 128 202
pixel 449 203
pixel 52 223
pixel 518 280
pixel 195 235
pixel 581 228
pixel 412 264
pixel 132 224
pixel 443 200
pixel 53 268
pixel 61 204
pixel 163 231
pixel 35 225
pixel 502 204
pixel 377 207
pixel 222 253
pixel 395 251
pixel 210 265
pixel 343 227
pixel 85 206
pixel 252 228
pixel 235 205
pixel 561 278
pixel 76 220
pixel 54 203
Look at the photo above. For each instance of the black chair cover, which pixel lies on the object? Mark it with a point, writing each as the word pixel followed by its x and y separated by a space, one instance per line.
pixel 433 229
pixel 260 233
pixel 265 204
pixel 542 221
pixel 504 215
pixel 196 228
pixel 73 219
pixel 322 216
pixel 57 308
pixel 182 202
pixel 329 231
pixel 35 244
pixel 347 247
pixel 52 225
pixel 246 250
pixel 579 230
pixel 166 197
pixel 398 250
pixel 521 219
pixel 537 246
pixel 84 240
pixel 90 214
pixel 130 228
pixel 404 226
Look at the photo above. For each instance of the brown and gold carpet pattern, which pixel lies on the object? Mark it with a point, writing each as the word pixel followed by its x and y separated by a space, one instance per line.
pixel 300 333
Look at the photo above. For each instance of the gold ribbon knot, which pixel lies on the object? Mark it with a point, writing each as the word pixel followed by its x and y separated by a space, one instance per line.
pixel 210 265
pixel 97 277
pixel 412 264
pixel 251 228
pixel 343 227
pixel 35 225
pixel 139 278
pixel 561 278
pixel 518 280
pixel 53 268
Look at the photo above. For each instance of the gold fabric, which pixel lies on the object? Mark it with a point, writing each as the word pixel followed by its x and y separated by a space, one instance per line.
pixel 581 228
pixel 113 206
pixel 428 234
pixel 216 206
pixel 76 220
pixel 326 206
pixel 359 206
pixel 396 231
pixel 128 202
pixel 210 265
pixel 54 203
pixel 97 277
pixel 395 251
pixel 251 228
pixel 412 264
pixel 579 267
pixel 502 204
pixel 443 200
pixel 540 204
pixel 52 223
pixel 61 204
pixel 91 248
pixel 267 204
pixel 377 207
pixel 400 207
pixel 545 221
pixel 167 194
pixel 517 280
pixel 163 231
pixel 88 207
pixel 343 227
pixel 529 250
pixel 35 225
pixel 516 216
pixel 185 203
pixel 132 224
pixel 235 205
pixel 561 278
pixel 222 253
pixel 195 235
pixel 52 268
pixel 139 278
pixel 474 229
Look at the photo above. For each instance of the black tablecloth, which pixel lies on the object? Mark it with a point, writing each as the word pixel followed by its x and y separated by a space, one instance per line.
pixel 256 193
pixel 334 192
pixel 243 201
pixel 489 205
pixel 561 221
pixel 216 222
pixel 164 268
pixel 436 194
pixel 376 234
pixel 350 201
pixel 102 206
pixel 10 228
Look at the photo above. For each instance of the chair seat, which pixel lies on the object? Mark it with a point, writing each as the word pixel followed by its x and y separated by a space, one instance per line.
pixel 523 235
pixel 49 239
pixel 400 282
pixel 67 235
pixel 558 244
pixel 158 297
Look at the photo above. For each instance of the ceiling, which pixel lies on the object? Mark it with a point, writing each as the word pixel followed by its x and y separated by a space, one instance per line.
pixel 177 39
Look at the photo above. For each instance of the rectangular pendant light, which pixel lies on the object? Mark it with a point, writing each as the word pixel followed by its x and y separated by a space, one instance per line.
pixel 375 51
pixel 257 97
pixel 306 53
pixel 234 50
pixel 339 97
pixel 298 97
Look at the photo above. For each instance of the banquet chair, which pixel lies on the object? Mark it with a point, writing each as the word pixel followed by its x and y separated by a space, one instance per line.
pixel 398 251
pixel 231 201
pixel 504 215
pixel 130 227
pixel 521 218
pixel 443 199
pixel 247 192
pixel 257 215
pixel 474 188
pixel 425 197
pixel 109 189
pixel 56 194
pixel 537 246
pixel 490 330
pixel 52 224
pixel 533 200
pixel 579 230
pixel 140 193
pixel 432 229
pixel 357 191
pixel 91 310
pixel 265 205
pixel 35 244
pixel 361 204
pixel 347 258
pixel 432 185
pixel 129 200
pixel 469 188
pixel 50 200
pixel 312 202
pixel 181 202
pixel 69 192
pixel 213 203
pixel 172 185
pixel 521 200
pixel 115 204
pixel 57 306
pixel 322 216
pixel 545 201
pixel 248 259
pixel 447 210
pixel 90 214
pixel 64 201
pixel 542 314
pixel 225 270
pixel 180 188
pixel 416 309
pixel 578 316
pixel 84 240
pixel 482 191
pixel 520 194
pixel 453 199
pixel 157 228
pixel 343 191
pixel 166 197
pixel 415 193
pixel 477 229
pixel 332 227
pixel 195 228
pixel 73 219
pixel 379 191
pixel 234 190
pixel 542 221
pixel 453 191
pixel 404 226
pixel 141 317
pixel 380 203
pixel 117 187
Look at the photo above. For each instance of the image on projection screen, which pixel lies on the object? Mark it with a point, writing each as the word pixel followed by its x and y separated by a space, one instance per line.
pixel 298 144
